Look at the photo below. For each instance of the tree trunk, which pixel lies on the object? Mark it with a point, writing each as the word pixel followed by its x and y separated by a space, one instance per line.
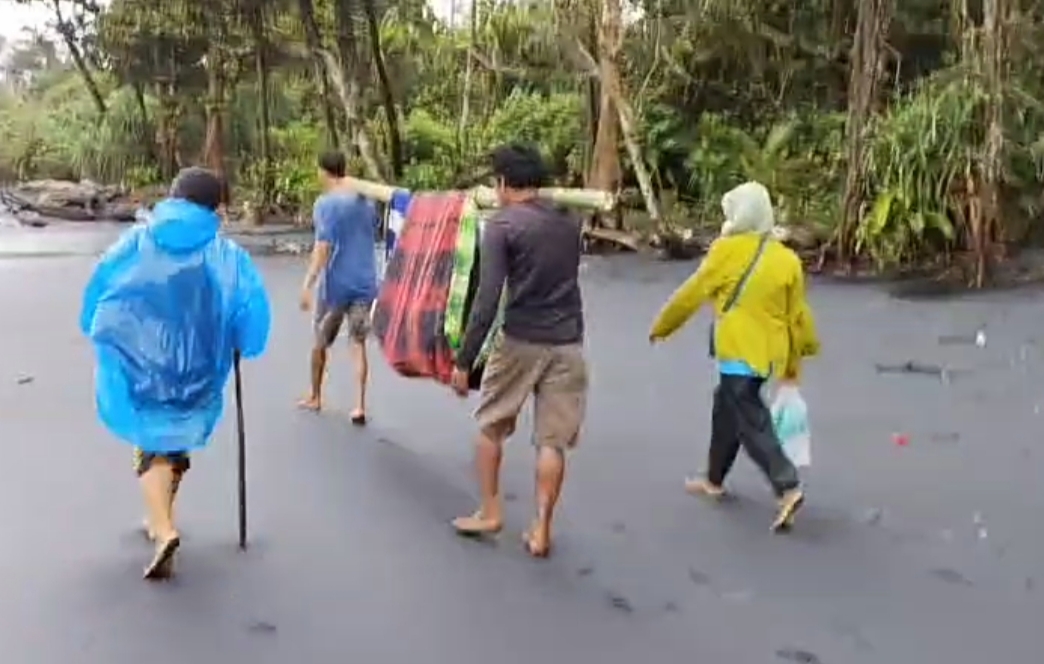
pixel 605 159
pixel 593 97
pixel 143 114
pixel 139 100
pixel 214 144
pixel 348 84
pixel 398 158
pixel 996 15
pixel 634 151
pixel 257 27
pixel 465 95
pixel 867 64
pixel 66 30
pixel 315 43
pixel 616 118
pixel 168 120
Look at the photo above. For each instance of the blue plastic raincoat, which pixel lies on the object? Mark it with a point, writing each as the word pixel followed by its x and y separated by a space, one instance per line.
pixel 166 307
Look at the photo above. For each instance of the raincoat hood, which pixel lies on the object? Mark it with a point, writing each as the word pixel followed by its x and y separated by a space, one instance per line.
pixel 180 226
pixel 748 209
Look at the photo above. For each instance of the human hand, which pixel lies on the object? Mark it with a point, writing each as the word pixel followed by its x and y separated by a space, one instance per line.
pixel 459 382
pixel 306 299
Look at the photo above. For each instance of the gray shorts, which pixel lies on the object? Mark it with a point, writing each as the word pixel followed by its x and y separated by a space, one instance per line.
pixel 328 321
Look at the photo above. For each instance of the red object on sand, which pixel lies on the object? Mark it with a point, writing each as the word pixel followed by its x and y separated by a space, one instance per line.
pixel 410 311
pixel 900 439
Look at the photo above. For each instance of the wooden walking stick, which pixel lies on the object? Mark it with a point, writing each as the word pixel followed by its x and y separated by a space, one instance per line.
pixel 241 444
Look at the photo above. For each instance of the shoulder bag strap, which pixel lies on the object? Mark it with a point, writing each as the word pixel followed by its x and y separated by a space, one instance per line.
pixel 746 274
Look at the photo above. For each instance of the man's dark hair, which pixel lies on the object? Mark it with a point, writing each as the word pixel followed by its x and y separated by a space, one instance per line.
pixel 519 166
pixel 199 186
pixel 334 163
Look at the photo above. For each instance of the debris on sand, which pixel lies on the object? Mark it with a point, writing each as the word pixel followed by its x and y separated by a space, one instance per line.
pixel 261 627
pixel 69 201
pixel 873 516
pixel 944 374
pixel 797 655
pixel 911 367
pixel 977 339
pixel 951 576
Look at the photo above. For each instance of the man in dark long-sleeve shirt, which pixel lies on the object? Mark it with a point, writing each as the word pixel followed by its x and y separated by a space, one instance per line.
pixel 533 249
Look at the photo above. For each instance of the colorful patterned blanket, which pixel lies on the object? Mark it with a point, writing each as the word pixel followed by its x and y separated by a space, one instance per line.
pixel 409 315
pixel 464 283
pixel 423 304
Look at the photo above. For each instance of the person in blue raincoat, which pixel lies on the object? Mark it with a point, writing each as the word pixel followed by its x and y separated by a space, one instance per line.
pixel 168 306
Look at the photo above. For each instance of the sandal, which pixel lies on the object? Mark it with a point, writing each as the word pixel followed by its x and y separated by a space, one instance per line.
pixel 789 505
pixel 160 567
pixel 699 486
pixel 359 419
pixel 476 525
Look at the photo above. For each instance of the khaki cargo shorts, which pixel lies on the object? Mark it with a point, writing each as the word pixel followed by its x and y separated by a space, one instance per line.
pixel 328 322
pixel 556 377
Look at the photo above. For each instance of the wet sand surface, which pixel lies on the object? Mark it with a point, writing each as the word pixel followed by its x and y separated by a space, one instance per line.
pixel 929 552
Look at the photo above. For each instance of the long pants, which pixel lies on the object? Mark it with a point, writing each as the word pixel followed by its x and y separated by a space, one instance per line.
pixel 741 418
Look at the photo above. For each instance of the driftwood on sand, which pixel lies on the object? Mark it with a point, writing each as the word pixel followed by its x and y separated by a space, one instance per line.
pixel 34 202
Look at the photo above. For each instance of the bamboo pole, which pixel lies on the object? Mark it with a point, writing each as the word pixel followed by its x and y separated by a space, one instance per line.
pixel 485 197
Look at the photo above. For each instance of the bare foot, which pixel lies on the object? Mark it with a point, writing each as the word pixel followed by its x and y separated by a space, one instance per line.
pixel 311 403
pixel 477 525
pixel 537 541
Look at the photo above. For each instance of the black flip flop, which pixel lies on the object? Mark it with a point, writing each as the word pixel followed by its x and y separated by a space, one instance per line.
pixel 159 568
pixel 359 420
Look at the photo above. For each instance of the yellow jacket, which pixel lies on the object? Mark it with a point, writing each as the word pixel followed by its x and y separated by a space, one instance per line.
pixel 770 326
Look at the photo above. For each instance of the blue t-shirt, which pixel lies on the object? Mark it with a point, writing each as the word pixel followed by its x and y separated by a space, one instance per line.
pixel 347 222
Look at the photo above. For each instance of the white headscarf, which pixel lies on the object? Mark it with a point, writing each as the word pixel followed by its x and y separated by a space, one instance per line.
pixel 748 209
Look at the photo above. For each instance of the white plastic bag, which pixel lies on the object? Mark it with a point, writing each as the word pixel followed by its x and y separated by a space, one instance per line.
pixel 790 420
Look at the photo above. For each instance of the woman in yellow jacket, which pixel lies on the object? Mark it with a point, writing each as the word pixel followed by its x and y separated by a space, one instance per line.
pixel 763 328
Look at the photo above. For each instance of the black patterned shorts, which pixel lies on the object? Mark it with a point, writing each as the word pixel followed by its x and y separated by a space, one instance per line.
pixel 143 461
pixel 328 322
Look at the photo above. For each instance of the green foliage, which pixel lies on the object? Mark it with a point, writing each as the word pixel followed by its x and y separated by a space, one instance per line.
pixel 58 134
pixel 295 147
pixel 430 151
pixel 724 92
pixel 555 122
pixel 798 159
pixel 920 155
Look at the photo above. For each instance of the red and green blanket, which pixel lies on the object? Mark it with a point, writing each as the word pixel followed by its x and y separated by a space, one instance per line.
pixel 425 298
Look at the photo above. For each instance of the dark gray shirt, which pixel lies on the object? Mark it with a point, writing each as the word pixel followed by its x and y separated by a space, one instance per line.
pixel 535 248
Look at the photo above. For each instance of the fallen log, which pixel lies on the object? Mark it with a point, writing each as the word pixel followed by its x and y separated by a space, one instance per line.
pixel 83 201
pixel 64 213
pixel 614 238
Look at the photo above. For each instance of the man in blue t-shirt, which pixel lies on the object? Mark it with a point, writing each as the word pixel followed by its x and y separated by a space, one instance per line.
pixel 344 266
